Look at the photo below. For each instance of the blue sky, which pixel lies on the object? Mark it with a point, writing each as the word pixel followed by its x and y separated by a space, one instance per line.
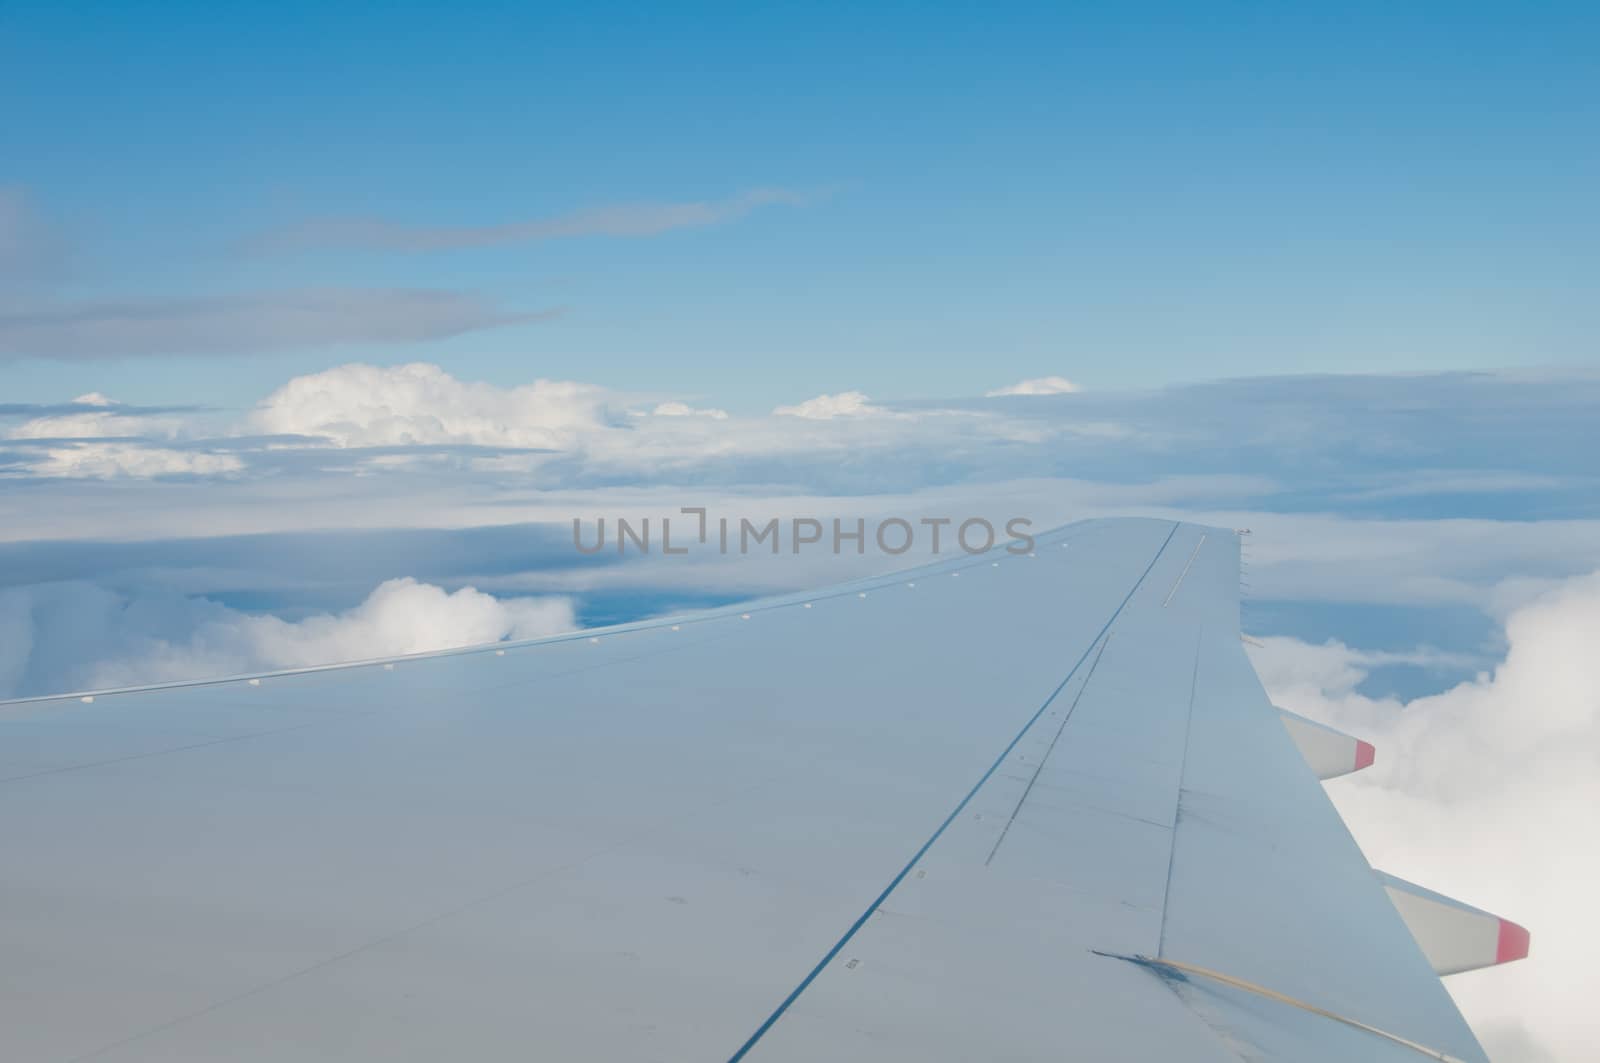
pixel 1128 195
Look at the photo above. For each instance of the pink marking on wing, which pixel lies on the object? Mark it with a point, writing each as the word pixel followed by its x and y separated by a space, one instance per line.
pixel 1513 942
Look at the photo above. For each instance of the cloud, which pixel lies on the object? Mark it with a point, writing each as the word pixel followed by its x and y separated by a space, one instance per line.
pixel 1044 385
pixel 827 407
pixel 1464 471
pixel 577 434
pixel 112 461
pixel 365 405
pixel 94 402
pixel 1486 792
pixel 80 636
pixel 250 323
pixel 1295 668
pixel 95 416
pixel 1336 558
pixel 96 438
pixel 682 409
pixel 620 220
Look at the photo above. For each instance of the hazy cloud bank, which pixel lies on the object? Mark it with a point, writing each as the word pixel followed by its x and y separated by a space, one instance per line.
pixel 1486 791
pixel 1044 385
pixel 1452 445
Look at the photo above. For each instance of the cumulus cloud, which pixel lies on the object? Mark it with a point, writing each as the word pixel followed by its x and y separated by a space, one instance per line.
pixel 80 636
pixel 248 323
pixel 1486 792
pixel 618 220
pixel 1044 385
pixel 365 405
pixel 581 433
pixel 827 407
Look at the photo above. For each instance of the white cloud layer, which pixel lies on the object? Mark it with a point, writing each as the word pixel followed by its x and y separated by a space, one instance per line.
pixel 827 407
pixel 133 447
pixel 589 433
pixel 1044 385
pixel 1487 792
pixel 114 461
pixel 80 636
pixel 1450 448
pixel 683 409
pixel 105 419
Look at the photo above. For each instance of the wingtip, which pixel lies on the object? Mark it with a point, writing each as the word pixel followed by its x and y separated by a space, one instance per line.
pixel 1365 754
pixel 1514 941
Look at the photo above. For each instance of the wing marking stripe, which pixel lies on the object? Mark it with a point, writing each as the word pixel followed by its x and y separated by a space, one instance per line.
pixel 1178 969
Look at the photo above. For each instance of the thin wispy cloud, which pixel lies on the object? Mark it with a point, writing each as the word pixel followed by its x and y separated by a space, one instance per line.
pixel 94 402
pixel 249 323
pixel 683 409
pixel 1044 385
pixel 618 220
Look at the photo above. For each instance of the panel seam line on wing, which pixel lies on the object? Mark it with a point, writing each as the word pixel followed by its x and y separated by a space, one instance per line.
pixel 1177 801
pixel 1185 571
pixel 877 902
pixel 1051 749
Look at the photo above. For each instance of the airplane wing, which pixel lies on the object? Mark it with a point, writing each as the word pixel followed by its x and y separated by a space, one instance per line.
pixel 1000 807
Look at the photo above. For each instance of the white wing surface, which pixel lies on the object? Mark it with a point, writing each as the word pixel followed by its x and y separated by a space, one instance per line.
pixel 996 808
